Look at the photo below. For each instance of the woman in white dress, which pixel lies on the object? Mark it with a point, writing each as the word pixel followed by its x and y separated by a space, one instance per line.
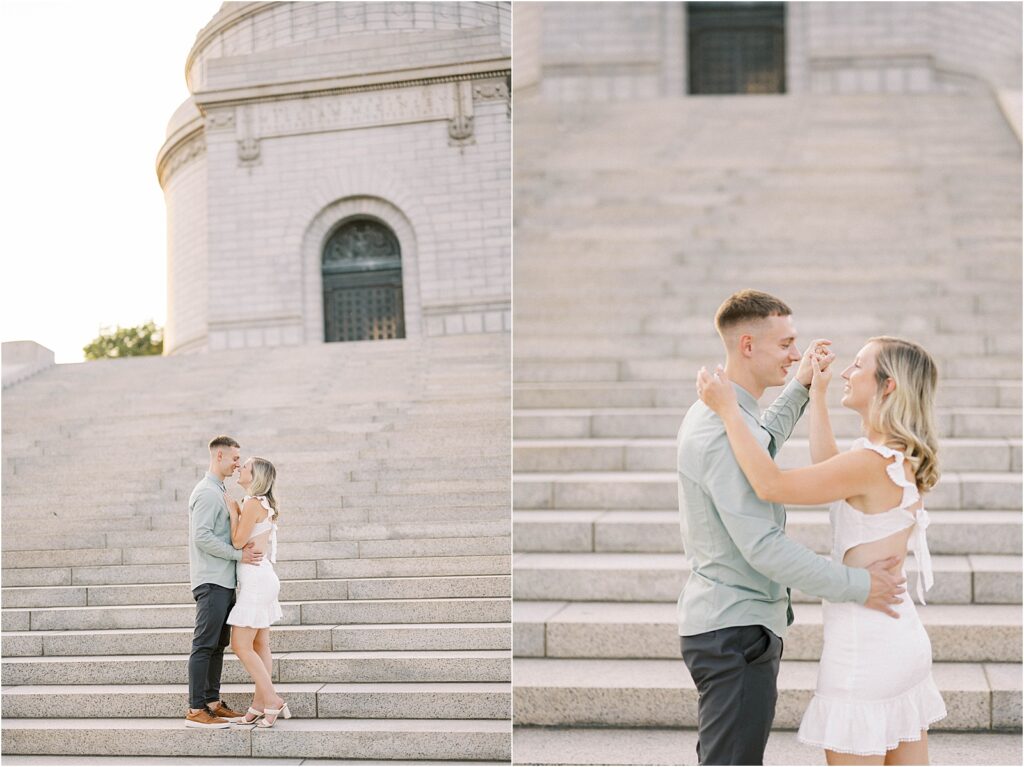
pixel 256 607
pixel 875 697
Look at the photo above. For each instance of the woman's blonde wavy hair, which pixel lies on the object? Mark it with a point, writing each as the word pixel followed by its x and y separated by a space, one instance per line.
pixel 906 413
pixel 263 476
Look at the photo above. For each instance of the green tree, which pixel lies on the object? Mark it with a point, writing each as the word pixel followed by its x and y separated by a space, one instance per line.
pixel 126 342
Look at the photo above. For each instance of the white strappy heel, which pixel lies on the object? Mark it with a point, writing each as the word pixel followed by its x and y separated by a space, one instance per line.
pixel 255 713
pixel 284 711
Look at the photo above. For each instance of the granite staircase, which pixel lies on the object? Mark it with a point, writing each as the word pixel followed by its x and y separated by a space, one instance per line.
pixel 868 215
pixel 393 465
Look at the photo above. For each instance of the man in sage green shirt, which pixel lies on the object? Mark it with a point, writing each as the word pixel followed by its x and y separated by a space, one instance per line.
pixel 211 565
pixel 735 606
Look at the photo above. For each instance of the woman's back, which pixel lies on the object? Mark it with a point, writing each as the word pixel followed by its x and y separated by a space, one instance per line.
pixel 263 535
pixel 867 529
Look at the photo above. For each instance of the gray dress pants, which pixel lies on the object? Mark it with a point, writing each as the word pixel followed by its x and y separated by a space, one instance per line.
pixel 212 635
pixel 736 671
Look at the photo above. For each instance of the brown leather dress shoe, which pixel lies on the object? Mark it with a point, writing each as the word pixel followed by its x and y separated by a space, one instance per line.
pixel 217 708
pixel 204 720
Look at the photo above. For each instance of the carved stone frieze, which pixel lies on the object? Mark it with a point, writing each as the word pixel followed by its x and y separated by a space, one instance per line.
pixel 220 120
pixel 460 129
pixel 181 155
pixel 460 126
pixel 352 110
pixel 248 151
pixel 450 100
pixel 491 90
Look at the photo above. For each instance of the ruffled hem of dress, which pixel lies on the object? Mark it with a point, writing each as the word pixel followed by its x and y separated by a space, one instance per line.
pixel 255 617
pixel 843 726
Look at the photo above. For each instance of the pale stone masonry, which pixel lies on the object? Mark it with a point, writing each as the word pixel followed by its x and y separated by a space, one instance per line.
pixel 620 51
pixel 304 115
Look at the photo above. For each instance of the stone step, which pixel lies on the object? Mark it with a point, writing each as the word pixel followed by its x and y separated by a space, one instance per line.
pixel 579 320
pixel 616 577
pixel 637 745
pixel 660 693
pixel 335 493
pixel 84 536
pixel 958 633
pixel 375 666
pixel 457 610
pixel 291 591
pixel 615 490
pixel 585 301
pixel 398 507
pixel 394 700
pixel 300 638
pixel 957 454
pixel 287 552
pixel 539 302
pixel 657 532
pixel 76 575
pixel 390 739
pixel 645 394
pixel 170 517
pixel 661 340
pixel 590 370
pixel 577 423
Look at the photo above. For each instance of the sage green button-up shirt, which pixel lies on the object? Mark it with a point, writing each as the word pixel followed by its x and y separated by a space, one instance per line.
pixel 211 557
pixel 741 561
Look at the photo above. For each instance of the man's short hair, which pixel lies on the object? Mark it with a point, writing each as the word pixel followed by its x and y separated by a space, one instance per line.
pixel 222 441
pixel 748 305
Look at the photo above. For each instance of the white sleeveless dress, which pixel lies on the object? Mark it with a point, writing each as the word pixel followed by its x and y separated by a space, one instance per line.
pixel 875 687
pixel 258 585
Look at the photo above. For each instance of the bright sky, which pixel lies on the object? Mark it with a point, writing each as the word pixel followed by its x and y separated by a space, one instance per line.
pixel 88 90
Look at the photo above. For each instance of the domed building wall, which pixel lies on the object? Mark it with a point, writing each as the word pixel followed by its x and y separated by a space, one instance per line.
pixel 182 171
pixel 312 115
pixel 613 51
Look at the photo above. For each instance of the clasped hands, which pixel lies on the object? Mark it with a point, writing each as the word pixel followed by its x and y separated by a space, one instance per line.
pixel 249 555
pixel 815 373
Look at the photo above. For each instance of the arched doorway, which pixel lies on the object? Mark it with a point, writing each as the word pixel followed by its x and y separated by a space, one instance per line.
pixel 362 282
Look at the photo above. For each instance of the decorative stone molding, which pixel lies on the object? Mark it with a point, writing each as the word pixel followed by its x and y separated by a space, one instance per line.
pixel 248 151
pixel 447 98
pixel 469 316
pixel 460 127
pixel 220 120
pixel 494 90
pixel 491 90
pixel 244 28
pixel 181 155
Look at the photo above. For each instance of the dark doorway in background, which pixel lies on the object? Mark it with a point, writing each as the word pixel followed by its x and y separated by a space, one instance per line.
pixel 736 47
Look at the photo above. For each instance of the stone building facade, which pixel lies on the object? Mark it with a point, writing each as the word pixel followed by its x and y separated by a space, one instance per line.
pixel 627 50
pixel 341 171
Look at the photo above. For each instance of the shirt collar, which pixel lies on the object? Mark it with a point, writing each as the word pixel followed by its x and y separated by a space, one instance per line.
pixel 220 483
pixel 746 401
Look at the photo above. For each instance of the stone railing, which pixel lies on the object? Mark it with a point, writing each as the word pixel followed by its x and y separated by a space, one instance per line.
pixel 22 359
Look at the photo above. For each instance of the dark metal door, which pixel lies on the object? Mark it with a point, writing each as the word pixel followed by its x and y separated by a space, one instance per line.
pixel 362 279
pixel 736 47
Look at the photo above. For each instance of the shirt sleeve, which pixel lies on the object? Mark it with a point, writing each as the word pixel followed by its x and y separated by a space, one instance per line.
pixel 781 416
pixel 204 516
pixel 750 523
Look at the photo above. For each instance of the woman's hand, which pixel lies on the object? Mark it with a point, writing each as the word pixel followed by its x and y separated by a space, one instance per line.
pixel 232 504
pixel 716 390
pixel 821 372
pixel 819 346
